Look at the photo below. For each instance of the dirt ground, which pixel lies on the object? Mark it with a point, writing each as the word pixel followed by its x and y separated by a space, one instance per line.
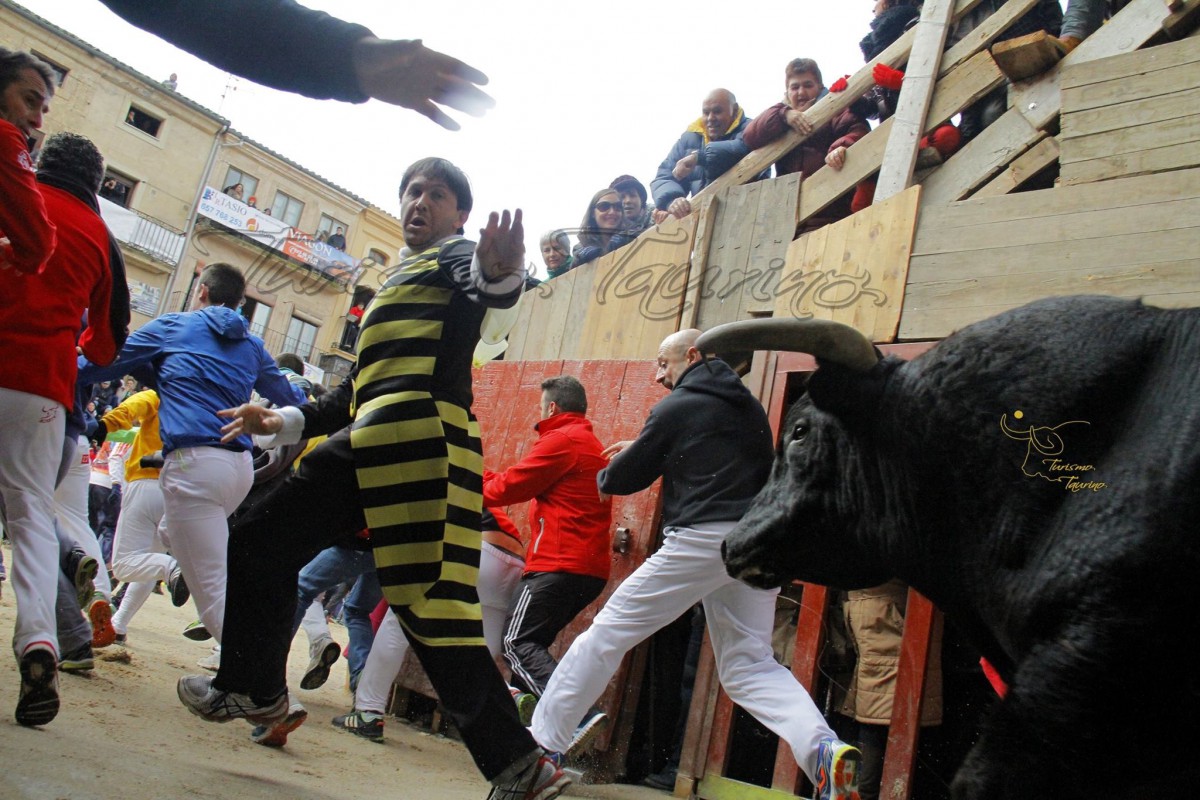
pixel 122 733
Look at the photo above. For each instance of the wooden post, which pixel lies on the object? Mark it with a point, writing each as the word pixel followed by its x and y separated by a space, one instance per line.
pixel 900 156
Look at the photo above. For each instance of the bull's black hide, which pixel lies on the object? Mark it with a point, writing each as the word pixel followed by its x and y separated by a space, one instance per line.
pixel 1037 475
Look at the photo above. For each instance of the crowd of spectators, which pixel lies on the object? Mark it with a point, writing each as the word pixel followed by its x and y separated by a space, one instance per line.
pixel 724 133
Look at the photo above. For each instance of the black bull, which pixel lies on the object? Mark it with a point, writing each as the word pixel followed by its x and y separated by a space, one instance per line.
pixel 1037 476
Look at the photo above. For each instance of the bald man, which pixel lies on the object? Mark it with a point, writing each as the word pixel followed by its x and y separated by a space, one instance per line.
pixel 710 442
pixel 705 151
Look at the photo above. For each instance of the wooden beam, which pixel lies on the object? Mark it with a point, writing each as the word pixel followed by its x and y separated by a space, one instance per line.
pixel 915 97
pixel 985 33
pixel 1029 55
pixel 1031 162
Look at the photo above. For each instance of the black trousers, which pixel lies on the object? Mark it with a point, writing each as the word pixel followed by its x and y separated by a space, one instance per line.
pixel 545 603
pixel 269 545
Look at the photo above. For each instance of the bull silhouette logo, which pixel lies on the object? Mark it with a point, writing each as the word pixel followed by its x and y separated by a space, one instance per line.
pixel 1046 455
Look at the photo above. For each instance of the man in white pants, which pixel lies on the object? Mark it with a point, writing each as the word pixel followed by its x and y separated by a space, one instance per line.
pixel 710 441
pixel 40 312
pixel 139 554
pixel 204 360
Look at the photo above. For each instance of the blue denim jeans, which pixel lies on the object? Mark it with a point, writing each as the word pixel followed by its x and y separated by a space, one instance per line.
pixel 331 567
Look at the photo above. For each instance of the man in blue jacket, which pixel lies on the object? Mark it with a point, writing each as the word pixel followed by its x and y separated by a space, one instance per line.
pixel 202 361
pixel 706 150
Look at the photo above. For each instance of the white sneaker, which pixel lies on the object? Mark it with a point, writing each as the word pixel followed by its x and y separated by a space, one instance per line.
pixel 212 661
pixel 322 654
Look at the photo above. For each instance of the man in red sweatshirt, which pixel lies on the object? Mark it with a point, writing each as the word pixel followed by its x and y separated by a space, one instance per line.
pixel 568 558
pixel 40 318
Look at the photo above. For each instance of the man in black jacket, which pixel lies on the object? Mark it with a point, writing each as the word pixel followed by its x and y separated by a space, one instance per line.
pixel 710 442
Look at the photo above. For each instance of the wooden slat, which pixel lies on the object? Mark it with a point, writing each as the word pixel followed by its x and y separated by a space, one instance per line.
pixel 1134 138
pixel 1036 205
pixel 693 287
pixel 1144 162
pixel 729 255
pixel 1044 153
pixel 1142 111
pixel 1130 251
pixel 1132 87
pixel 854 270
pixel 769 240
pixel 581 298
pixel 1123 65
pixel 981 158
pixel 630 304
pixel 921 72
pixel 985 33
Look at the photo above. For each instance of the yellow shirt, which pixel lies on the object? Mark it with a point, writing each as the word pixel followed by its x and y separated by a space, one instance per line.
pixel 142 407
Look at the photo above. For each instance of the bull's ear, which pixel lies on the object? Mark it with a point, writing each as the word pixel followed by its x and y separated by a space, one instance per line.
pixel 852 395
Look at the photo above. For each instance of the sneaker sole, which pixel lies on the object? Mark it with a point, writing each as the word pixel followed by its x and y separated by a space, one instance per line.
pixel 103 632
pixel 197 634
pixel 526 704
pixel 585 737
pixel 844 780
pixel 38 704
pixel 85 575
pixel 276 735
pixel 180 593
pixel 77 665
pixel 318 672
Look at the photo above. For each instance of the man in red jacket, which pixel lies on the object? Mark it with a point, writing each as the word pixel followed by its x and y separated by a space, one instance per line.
pixel 567 561
pixel 40 315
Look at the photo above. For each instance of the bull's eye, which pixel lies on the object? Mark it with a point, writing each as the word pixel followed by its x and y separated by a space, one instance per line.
pixel 799 432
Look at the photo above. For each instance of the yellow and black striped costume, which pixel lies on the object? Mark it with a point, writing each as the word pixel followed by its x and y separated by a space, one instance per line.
pixel 417 455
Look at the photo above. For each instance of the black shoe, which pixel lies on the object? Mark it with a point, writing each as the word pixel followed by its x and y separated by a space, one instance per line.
pixel 38 703
pixel 119 595
pixel 178 587
pixel 663 780
pixel 80 659
pixel 81 569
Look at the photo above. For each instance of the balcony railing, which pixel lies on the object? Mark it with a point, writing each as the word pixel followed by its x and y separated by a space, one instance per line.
pixel 143 233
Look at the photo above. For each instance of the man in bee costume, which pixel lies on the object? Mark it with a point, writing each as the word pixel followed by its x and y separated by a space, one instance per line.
pixel 409 467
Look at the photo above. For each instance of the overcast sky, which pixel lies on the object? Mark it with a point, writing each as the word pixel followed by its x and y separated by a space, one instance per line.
pixel 584 91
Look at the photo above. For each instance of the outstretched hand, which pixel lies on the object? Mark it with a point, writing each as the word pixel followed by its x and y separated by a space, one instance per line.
pixel 501 248
pixel 407 73
pixel 250 419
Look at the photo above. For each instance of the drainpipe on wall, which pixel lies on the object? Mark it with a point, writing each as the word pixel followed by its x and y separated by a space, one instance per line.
pixel 191 226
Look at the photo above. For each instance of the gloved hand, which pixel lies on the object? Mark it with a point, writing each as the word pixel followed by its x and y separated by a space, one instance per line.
pixel 887 77
pixel 840 85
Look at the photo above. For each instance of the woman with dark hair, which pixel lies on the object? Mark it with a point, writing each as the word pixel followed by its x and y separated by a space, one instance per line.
pixel 600 231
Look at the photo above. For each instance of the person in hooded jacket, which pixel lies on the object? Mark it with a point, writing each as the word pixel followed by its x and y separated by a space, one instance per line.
pixel 710 442
pixel 203 361
pixel 704 152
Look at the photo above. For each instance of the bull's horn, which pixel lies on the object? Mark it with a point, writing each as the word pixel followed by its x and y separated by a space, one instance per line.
pixel 828 340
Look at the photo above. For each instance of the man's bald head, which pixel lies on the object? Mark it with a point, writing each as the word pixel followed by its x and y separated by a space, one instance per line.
pixel 676 353
pixel 718 110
